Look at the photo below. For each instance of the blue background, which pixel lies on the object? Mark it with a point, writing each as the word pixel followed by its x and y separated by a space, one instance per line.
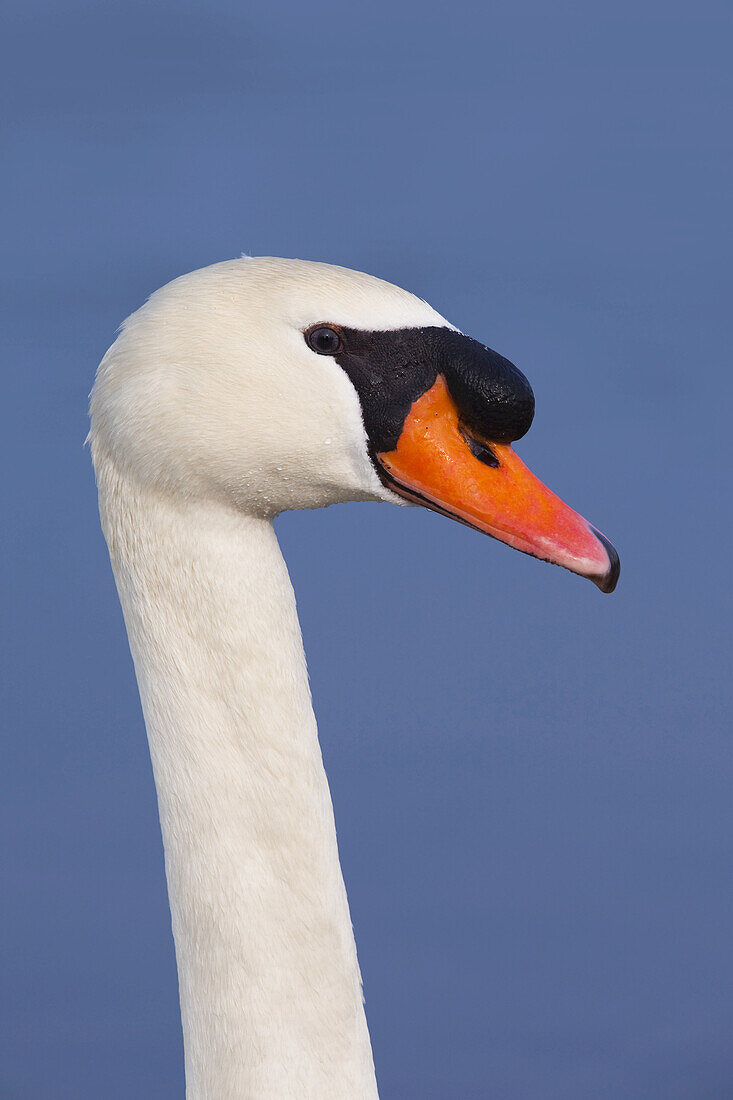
pixel 532 781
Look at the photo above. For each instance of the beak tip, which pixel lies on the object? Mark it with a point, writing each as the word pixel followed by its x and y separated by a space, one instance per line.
pixel 607 581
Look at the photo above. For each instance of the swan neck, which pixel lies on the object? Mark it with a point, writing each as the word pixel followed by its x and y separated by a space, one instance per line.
pixel 269 982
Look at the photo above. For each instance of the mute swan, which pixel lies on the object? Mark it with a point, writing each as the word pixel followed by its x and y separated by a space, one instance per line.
pixel 235 392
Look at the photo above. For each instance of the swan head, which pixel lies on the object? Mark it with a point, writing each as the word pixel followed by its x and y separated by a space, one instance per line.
pixel 272 384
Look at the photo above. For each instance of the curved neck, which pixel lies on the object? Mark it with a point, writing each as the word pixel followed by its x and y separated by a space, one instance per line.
pixel 269 982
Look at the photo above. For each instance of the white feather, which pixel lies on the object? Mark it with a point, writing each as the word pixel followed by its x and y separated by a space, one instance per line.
pixel 210 415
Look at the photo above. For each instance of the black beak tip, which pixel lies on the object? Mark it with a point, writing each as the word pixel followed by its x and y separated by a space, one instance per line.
pixel 607 581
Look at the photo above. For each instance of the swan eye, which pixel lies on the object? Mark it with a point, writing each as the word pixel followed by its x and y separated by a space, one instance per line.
pixel 323 340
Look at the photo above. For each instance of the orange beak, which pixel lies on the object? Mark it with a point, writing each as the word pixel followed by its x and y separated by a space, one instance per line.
pixel 440 464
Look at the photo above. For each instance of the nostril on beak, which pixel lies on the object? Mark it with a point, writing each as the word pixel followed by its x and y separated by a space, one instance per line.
pixel 479 450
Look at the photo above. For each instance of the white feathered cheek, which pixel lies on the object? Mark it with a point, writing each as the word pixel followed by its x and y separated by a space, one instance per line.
pixel 287 433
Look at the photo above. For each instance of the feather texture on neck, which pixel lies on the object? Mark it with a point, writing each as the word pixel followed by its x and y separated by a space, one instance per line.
pixel 269 981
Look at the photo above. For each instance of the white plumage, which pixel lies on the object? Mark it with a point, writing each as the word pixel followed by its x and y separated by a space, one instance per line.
pixel 212 412
pixel 209 416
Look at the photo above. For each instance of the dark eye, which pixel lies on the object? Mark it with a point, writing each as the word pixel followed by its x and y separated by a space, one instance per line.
pixel 324 341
